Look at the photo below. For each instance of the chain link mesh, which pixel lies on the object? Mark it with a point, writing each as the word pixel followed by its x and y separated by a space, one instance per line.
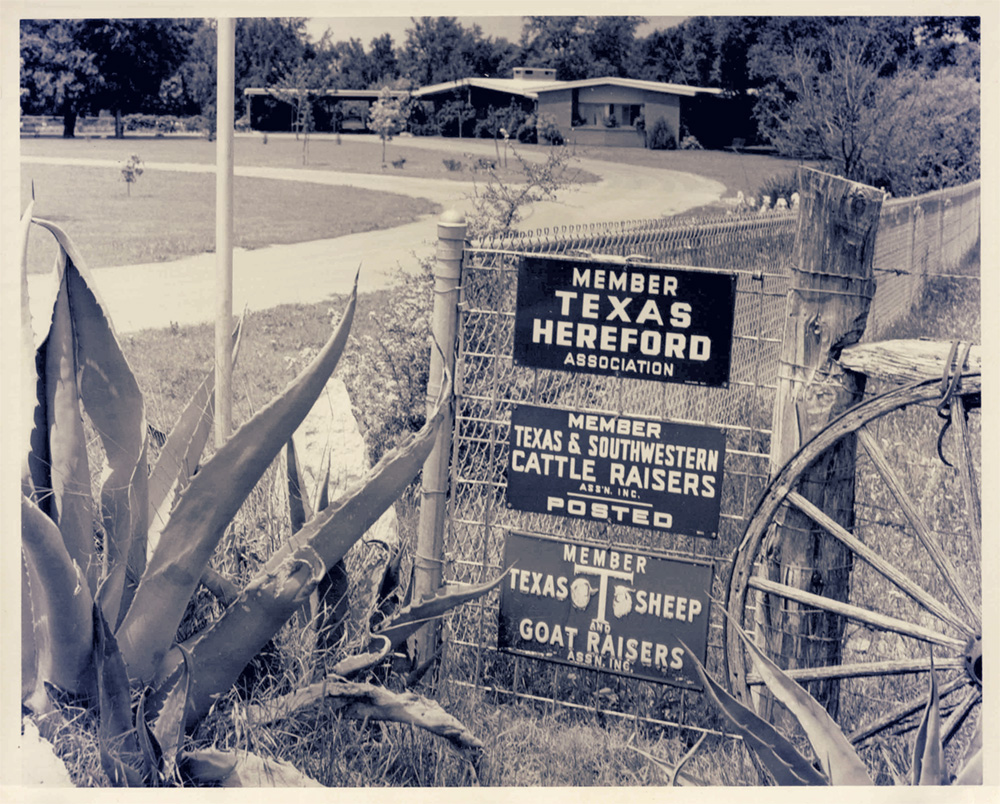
pixel 917 237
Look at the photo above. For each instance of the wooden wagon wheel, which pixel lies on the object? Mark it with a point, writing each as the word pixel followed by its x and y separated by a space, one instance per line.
pixel 914 549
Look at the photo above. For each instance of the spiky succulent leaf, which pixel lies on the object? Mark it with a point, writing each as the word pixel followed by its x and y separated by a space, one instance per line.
pixel 351 666
pixel 121 756
pixel 410 619
pixel 69 497
pixel 28 376
pixel 182 450
pixel 207 505
pixel 61 606
pixel 222 651
pixel 928 765
pixel 840 762
pixel 778 755
pixel 243 769
pixel 299 509
pixel 369 702
pixel 114 403
pixel 972 773
pixel 170 703
pixel 152 754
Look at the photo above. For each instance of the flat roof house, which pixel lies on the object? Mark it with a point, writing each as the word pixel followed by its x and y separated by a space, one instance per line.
pixel 591 111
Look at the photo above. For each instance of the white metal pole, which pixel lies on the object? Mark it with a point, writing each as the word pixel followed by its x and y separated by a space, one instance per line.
pixel 225 90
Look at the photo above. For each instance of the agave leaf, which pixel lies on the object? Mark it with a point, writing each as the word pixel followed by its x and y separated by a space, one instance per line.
pixel 171 701
pixel 152 754
pixel 207 505
pixel 121 757
pixel 29 678
pixel 207 765
pixel 61 606
pixel 227 646
pixel 840 762
pixel 410 619
pixel 928 765
pixel 29 375
pixel 786 765
pixel 367 701
pixel 243 769
pixel 351 666
pixel 114 403
pixel 299 510
pixel 70 504
pixel 972 773
pixel 182 450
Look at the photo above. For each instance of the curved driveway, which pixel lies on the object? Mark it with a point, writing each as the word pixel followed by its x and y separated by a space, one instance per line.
pixel 154 295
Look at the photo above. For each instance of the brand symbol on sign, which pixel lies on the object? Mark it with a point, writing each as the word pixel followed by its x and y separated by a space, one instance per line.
pixel 622 602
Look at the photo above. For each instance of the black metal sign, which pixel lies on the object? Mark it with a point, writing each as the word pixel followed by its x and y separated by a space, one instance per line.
pixel 623 470
pixel 618 610
pixel 626 320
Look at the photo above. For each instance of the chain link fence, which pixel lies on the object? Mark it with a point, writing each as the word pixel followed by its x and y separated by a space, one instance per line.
pixel 917 237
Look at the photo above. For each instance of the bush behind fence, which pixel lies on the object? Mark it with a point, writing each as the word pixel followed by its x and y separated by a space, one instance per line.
pixel 918 238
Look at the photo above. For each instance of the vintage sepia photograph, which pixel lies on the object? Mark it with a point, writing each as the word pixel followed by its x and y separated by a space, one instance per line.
pixel 495 401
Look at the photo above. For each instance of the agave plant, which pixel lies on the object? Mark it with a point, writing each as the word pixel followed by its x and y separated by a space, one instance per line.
pixel 104 612
pixel 838 762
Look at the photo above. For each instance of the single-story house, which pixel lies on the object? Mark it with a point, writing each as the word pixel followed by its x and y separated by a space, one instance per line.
pixel 591 111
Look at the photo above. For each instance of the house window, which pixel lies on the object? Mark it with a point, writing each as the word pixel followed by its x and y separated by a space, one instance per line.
pixel 607 115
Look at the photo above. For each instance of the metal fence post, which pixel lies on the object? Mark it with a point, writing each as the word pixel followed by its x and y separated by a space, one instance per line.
pixel 428 560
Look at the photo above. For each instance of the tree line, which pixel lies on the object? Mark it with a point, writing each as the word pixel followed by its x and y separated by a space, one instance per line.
pixel 883 99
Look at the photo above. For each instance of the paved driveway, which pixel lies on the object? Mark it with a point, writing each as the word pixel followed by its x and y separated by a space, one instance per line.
pixel 154 295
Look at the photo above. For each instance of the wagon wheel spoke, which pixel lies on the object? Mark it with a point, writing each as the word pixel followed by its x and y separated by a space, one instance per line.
pixel 863 669
pixel 967 474
pixel 900 713
pixel 857 613
pixel 922 531
pixel 879 564
pixel 955 719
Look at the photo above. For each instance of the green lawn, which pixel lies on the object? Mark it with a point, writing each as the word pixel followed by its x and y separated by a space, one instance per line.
pixel 170 215
pixel 746 172
pixel 351 155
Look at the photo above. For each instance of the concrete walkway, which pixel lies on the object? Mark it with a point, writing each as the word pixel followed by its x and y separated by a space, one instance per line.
pixel 155 295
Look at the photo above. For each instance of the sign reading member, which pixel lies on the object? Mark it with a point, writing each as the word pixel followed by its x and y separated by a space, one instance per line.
pixel 627 320
pixel 616 609
pixel 619 469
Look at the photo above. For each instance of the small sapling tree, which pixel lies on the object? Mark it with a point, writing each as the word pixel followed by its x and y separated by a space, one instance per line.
pixel 388 116
pixel 131 172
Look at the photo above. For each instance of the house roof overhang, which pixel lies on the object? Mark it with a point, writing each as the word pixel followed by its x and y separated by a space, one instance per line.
pixel 510 86
pixel 339 94
pixel 629 83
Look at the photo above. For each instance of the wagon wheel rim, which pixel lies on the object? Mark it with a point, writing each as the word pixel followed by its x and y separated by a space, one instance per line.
pixel 955 634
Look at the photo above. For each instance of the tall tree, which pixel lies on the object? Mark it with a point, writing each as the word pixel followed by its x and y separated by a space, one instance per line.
pixel 133 58
pixel 611 42
pixel 56 72
pixel 556 42
pixel 383 66
pixel 435 51
pixel 849 95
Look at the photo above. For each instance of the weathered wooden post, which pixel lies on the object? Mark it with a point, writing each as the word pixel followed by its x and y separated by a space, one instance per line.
pixel 827 307
pixel 427 562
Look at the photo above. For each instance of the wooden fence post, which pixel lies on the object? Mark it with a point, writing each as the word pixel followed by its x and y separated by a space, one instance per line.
pixel 427 563
pixel 832 286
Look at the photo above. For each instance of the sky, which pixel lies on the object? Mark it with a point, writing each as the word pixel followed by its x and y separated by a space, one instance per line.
pixel 367 28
